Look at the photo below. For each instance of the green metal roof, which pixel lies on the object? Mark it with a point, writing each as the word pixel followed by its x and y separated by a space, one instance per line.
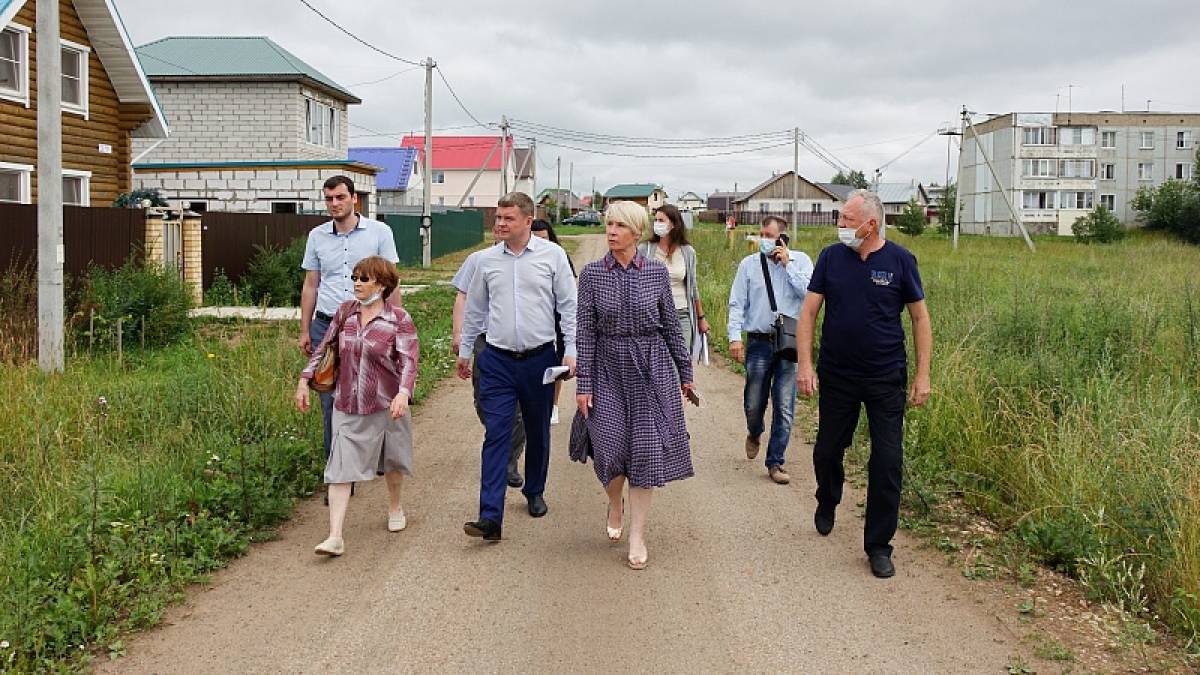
pixel 232 57
pixel 631 190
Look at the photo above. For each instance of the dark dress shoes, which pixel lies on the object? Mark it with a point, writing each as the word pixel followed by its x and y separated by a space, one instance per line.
pixel 489 530
pixel 882 567
pixel 823 519
pixel 514 479
pixel 537 506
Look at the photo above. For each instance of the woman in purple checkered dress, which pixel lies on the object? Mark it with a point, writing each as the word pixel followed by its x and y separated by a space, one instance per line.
pixel 632 367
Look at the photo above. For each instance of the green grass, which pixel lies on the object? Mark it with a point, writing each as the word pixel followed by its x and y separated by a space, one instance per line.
pixel 111 508
pixel 1065 402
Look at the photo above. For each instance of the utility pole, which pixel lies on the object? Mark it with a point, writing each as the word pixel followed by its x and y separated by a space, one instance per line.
pixel 504 154
pixel 51 254
pixel 558 192
pixel 533 172
pixel 592 196
pixel 570 186
pixel 427 186
pixel 795 182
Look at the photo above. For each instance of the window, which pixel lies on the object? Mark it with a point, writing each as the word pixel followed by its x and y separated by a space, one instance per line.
pixel 14 64
pixel 1077 168
pixel 441 201
pixel 1040 136
pixel 470 201
pixel 75 187
pixel 1037 199
pixel 1183 171
pixel 1109 202
pixel 1108 139
pixel 321 122
pixel 75 78
pixel 1077 136
pixel 816 208
pixel 439 177
pixel 14 182
pixel 764 207
pixel 1145 170
pixel 197 206
pixel 1076 200
pixel 1183 140
pixel 1147 140
pixel 1038 168
pixel 1108 172
pixel 283 207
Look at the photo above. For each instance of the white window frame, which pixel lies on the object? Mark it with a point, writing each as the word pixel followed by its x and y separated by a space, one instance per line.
pixel 1073 197
pixel 1112 199
pixel 1042 133
pixel 1108 171
pixel 24 182
pixel 21 94
pixel 1086 135
pixel 1183 171
pixel 329 128
pixel 439 177
pixel 1106 135
pixel 84 53
pixel 1183 140
pixel 1050 201
pixel 1032 168
pixel 85 185
pixel 1145 170
pixel 1065 164
pixel 1142 140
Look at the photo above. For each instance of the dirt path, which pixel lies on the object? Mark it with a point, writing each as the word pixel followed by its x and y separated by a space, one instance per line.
pixel 738 578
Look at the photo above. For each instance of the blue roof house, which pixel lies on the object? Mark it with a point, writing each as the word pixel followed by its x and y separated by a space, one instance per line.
pixel 398 183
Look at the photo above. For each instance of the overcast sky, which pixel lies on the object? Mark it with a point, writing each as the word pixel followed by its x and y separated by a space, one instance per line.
pixel 867 80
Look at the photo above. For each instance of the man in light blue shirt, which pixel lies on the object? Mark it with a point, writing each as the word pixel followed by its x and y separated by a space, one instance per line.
pixel 516 289
pixel 332 251
pixel 750 311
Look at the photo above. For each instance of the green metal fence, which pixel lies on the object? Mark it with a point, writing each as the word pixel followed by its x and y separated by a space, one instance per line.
pixel 452 231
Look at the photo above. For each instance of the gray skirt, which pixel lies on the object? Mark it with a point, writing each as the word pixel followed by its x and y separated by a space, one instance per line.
pixel 366 444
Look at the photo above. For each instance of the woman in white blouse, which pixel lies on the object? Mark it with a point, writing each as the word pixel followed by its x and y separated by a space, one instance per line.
pixel 669 246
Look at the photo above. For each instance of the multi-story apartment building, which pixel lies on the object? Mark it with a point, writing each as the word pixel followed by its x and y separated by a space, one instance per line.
pixel 1055 167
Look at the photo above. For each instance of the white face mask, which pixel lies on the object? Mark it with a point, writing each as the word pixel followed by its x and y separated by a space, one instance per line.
pixel 846 236
pixel 661 229
pixel 373 299
pixel 765 245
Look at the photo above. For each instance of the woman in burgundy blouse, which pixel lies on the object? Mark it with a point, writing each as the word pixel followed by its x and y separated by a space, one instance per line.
pixel 377 371
pixel 633 366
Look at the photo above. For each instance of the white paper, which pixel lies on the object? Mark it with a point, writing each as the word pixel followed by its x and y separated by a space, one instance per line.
pixel 552 373
pixel 702 352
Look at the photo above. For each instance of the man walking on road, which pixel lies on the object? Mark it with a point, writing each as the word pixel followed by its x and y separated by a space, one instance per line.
pixel 517 287
pixel 750 310
pixel 462 282
pixel 332 251
pixel 864 283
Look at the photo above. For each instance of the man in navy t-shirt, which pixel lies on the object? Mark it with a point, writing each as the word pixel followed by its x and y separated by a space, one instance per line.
pixel 865 283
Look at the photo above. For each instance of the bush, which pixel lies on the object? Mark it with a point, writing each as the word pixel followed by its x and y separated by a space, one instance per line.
pixel 145 298
pixel 222 292
pixel 134 199
pixel 912 221
pixel 1100 226
pixel 1173 206
pixel 948 209
pixel 274 277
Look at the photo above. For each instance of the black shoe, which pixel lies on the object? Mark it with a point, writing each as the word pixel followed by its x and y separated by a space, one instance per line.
pixel 823 519
pixel 882 567
pixel 488 529
pixel 537 506
pixel 514 479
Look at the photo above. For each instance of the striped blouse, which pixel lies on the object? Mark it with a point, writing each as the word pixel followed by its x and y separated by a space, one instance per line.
pixel 377 361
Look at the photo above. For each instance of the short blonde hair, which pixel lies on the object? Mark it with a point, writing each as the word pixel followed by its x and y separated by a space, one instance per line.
pixel 629 214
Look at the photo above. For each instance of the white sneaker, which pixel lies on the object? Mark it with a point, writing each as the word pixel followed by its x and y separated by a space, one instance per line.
pixel 554 415
pixel 396 521
pixel 332 547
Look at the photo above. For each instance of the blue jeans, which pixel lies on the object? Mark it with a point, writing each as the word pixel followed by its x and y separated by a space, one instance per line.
pixel 765 373
pixel 316 333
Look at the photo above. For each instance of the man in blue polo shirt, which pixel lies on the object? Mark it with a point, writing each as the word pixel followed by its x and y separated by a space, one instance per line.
pixel 332 251
pixel 865 283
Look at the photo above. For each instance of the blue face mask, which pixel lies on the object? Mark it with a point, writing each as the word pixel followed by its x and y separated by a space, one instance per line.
pixel 765 246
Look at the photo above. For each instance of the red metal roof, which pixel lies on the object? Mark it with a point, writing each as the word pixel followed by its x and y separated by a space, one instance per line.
pixel 458 152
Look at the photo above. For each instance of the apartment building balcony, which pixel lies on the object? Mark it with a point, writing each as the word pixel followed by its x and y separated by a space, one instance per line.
pixel 1057 152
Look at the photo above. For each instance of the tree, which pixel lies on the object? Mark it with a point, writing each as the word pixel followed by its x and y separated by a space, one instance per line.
pixel 1099 226
pixel 133 200
pixel 840 178
pixel 855 179
pixel 597 201
pixel 912 221
pixel 948 209
pixel 1173 206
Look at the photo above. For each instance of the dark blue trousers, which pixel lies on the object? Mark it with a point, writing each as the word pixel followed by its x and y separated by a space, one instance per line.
pixel 504 384
pixel 316 333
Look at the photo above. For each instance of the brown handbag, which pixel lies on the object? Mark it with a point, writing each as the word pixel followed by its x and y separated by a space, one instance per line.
pixel 324 377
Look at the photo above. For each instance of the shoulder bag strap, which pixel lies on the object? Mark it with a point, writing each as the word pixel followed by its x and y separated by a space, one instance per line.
pixel 767 277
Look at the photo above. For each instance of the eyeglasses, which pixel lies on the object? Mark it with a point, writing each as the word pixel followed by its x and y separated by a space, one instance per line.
pixel 364 278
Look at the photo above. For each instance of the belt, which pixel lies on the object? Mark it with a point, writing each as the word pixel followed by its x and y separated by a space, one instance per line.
pixel 323 316
pixel 767 337
pixel 521 356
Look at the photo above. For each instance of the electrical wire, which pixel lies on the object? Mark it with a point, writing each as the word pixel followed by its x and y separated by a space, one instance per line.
pixel 588 138
pixel 358 39
pixel 459 100
pixel 645 156
pixel 385 79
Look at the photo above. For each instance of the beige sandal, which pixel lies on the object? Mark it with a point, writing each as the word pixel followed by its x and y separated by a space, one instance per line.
pixel 637 564
pixel 614 533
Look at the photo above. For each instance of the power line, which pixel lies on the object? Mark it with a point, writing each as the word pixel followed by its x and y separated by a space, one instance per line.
pixel 385 79
pixel 358 39
pixel 458 100
pixel 644 156
pixel 590 138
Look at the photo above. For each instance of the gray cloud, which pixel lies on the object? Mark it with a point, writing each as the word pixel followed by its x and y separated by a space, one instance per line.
pixel 866 81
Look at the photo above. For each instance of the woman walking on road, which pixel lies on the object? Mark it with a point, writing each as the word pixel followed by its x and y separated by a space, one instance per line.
pixel 632 367
pixel 669 246
pixel 372 429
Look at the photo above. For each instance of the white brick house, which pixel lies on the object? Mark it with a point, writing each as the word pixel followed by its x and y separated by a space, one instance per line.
pixel 254 127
